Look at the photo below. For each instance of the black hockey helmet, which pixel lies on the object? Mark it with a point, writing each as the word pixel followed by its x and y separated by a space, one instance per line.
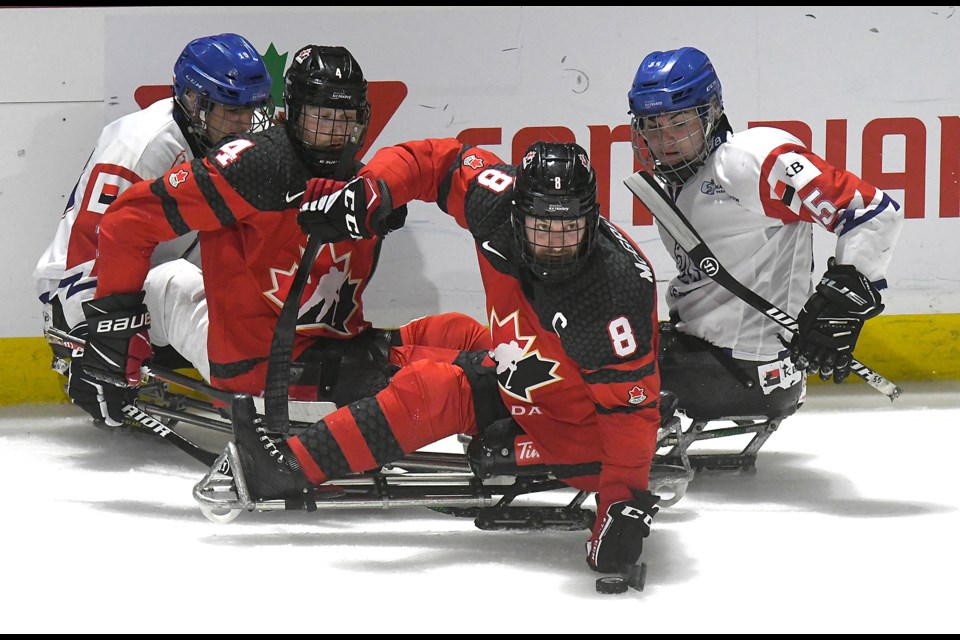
pixel 327 111
pixel 555 209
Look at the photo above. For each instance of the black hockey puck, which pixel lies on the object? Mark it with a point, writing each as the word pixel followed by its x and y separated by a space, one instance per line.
pixel 612 584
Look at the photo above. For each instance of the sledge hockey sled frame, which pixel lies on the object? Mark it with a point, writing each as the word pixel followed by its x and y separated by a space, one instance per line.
pixel 484 483
pixel 444 482
pixel 679 440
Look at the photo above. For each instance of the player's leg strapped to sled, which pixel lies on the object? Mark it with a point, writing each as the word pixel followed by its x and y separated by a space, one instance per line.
pixel 367 455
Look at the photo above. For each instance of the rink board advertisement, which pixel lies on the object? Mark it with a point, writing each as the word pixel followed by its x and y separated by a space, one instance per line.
pixel 842 85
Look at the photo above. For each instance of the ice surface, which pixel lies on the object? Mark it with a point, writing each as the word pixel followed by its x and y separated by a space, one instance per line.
pixel 850 524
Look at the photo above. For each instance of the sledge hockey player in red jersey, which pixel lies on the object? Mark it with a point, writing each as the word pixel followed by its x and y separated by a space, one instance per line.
pixel 754 197
pixel 572 362
pixel 242 198
pixel 220 87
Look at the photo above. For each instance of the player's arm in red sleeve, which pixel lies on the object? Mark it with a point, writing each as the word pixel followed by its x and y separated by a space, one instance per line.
pixel 129 231
pixel 629 417
pixel 155 211
pixel 626 397
pixel 433 170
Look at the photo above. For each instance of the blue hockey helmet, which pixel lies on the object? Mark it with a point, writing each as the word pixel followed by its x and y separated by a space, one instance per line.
pixel 683 86
pixel 224 70
pixel 555 212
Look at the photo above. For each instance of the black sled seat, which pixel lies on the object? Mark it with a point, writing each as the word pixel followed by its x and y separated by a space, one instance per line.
pixel 722 398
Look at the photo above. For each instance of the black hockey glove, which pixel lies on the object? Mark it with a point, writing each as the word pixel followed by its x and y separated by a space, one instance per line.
pixel 337 211
pixel 118 343
pixel 101 400
pixel 830 321
pixel 618 533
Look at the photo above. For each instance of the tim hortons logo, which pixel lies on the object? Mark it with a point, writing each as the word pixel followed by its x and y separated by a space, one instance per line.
pixel 526 452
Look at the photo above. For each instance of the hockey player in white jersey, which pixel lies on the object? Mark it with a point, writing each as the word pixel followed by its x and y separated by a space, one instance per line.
pixel 220 87
pixel 754 197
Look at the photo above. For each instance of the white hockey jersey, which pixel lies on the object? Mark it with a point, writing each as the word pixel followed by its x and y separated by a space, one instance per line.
pixel 755 203
pixel 140 146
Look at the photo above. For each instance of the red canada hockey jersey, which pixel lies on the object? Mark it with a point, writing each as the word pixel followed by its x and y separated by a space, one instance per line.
pixel 576 361
pixel 243 198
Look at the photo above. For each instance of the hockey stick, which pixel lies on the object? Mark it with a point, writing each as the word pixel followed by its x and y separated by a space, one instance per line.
pixel 276 412
pixel 645 187
pixel 134 415
pixel 302 411
pixel 63 339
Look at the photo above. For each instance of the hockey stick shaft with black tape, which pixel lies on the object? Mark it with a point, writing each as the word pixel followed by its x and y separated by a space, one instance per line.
pixel 61 338
pixel 276 412
pixel 645 187
pixel 277 389
pixel 302 410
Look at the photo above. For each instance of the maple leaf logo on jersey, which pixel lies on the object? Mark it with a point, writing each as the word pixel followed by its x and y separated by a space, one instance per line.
pixel 637 395
pixel 331 303
pixel 520 369
pixel 473 162
pixel 178 178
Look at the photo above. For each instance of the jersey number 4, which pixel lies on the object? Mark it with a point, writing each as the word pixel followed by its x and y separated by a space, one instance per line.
pixel 230 151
